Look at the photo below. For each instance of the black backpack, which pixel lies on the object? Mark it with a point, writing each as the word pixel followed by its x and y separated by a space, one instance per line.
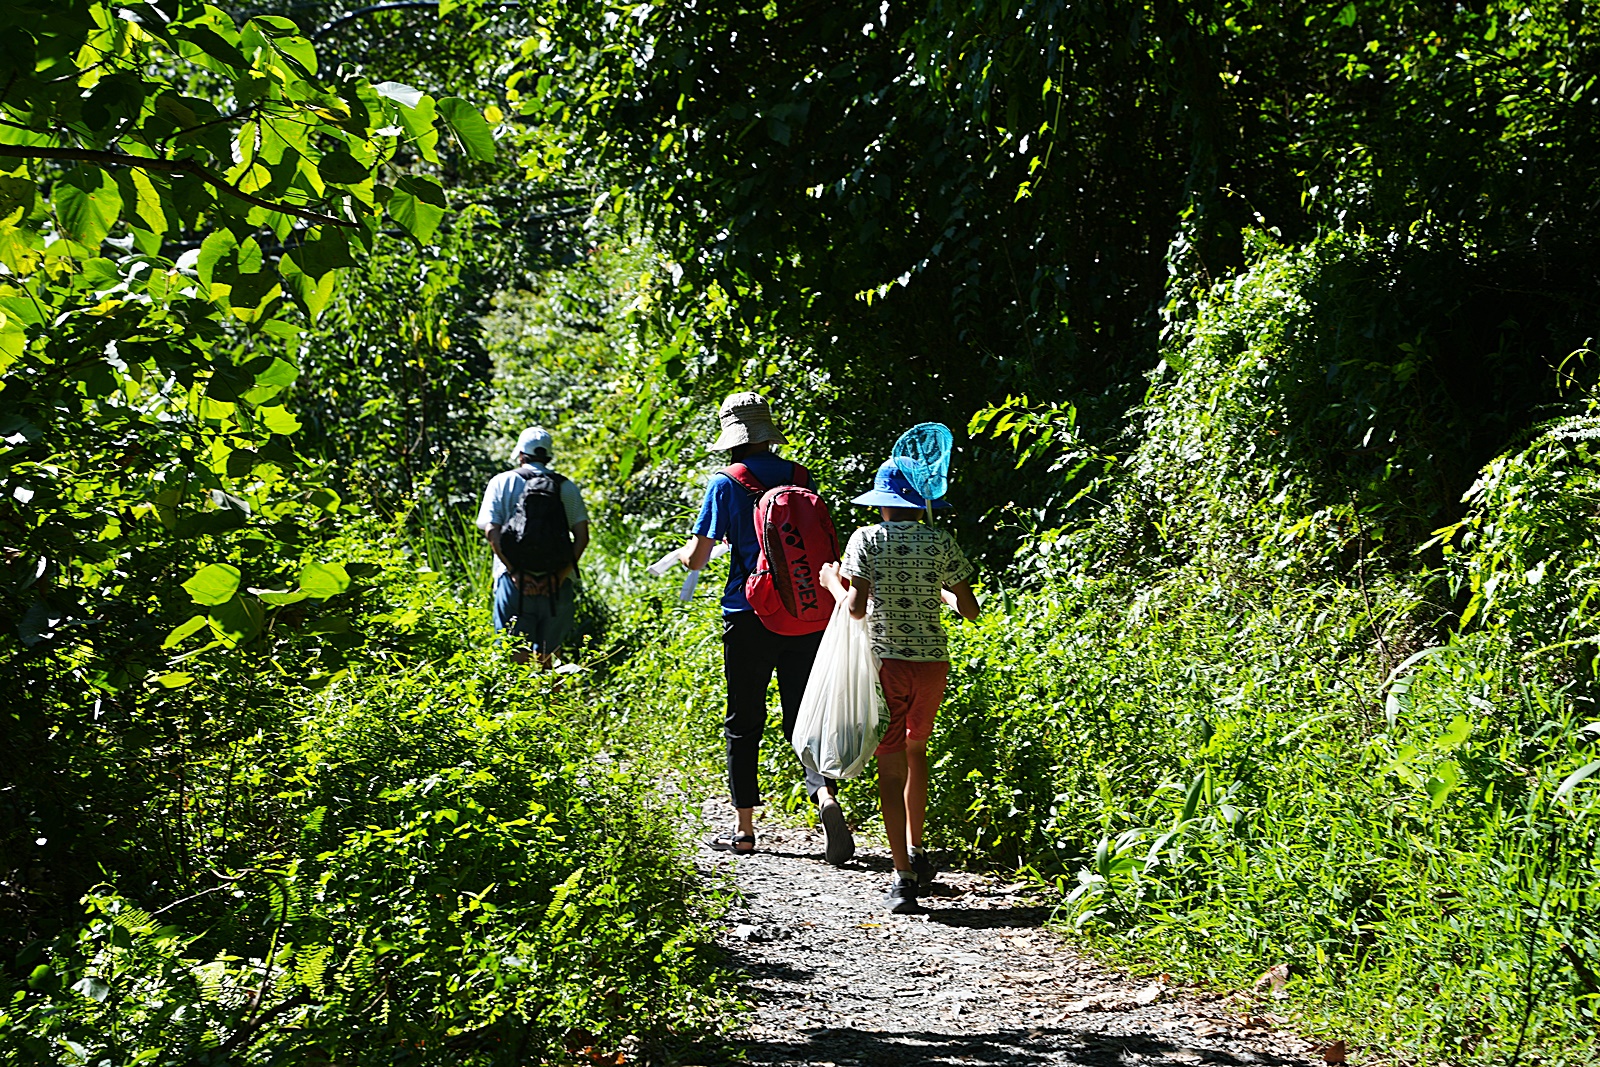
pixel 536 539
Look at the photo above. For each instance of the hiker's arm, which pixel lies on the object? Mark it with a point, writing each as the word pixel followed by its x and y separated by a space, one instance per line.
pixel 696 552
pixel 855 599
pixel 853 591
pixel 580 540
pixel 960 597
pixel 834 582
pixel 491 534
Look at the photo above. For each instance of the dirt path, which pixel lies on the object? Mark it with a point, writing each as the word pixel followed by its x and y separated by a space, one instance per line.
pixel 838 982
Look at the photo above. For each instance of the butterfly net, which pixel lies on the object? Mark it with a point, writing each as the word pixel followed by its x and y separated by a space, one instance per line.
pixel 923 456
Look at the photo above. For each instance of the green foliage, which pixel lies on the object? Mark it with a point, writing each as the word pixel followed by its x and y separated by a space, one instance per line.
pixel 1525 553
pixel 434 857
pixel 1237 723
pixel 183 192
pixel 393 385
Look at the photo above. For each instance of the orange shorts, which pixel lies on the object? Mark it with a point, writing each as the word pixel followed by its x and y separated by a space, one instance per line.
pixel 912 691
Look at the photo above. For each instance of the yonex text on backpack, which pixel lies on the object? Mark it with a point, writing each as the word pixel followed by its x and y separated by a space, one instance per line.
pixel 796 536
pixel 536 539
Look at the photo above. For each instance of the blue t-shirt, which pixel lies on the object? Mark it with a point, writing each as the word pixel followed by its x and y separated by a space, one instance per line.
pixel 728 513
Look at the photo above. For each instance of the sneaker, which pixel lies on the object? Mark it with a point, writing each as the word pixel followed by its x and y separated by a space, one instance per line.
pixel 922 866
pixel 902 896
pixel 838 844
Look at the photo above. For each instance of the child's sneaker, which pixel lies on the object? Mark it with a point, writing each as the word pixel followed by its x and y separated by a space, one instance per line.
pixel 922 866
pixel 902 896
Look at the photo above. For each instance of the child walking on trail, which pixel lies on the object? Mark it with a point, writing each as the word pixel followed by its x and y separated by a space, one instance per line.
pixel 898 573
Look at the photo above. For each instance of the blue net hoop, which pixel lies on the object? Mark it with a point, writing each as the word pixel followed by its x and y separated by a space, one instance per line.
pixel 923 455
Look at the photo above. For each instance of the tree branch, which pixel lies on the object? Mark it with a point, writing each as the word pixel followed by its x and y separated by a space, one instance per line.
pixel 172 166
pixel 399 5
pixel 317 34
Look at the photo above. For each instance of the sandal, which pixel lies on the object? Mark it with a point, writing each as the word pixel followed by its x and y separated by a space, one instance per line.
pixel 733 841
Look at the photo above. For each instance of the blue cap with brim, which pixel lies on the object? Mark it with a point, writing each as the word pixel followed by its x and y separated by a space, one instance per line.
pixel 891 489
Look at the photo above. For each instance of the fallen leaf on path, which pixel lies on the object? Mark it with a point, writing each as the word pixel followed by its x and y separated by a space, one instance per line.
pixel 1334 1053
pixel 1115 1000
pixel 1276 977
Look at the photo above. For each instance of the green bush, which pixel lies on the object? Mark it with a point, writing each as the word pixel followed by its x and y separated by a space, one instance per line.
pixel 433 858
pixel 1236 719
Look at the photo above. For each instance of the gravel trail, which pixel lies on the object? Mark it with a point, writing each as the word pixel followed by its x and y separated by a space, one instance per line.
pixel 977 980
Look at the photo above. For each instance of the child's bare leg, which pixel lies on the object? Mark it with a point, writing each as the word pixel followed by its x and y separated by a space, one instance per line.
pixel 916 794
pixel 892 796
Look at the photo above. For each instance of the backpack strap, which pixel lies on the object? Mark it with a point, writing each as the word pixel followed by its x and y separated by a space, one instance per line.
pixel 528 475
pixel 742 474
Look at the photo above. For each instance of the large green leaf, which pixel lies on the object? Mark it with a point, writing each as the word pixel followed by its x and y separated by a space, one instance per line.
pixel 87 204
pixel 213 584
pixel 311 293
pixel 182 632
pixel 418 206
pixel 214 250
pixel 17 196
pixel 323 580
pixel 470 127
pixel 238 619
pixel 215 46
pixel 330 251
pixel 338 165
pixel 278 420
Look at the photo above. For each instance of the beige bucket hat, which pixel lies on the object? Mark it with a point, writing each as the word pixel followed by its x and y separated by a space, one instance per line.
pixel 746 420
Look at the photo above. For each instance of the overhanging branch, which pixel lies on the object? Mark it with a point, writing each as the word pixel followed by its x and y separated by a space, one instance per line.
pixel 171 166
pixel 398 5
pixel 317 34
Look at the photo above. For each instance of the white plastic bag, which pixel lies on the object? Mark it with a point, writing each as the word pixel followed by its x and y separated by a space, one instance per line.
pixel 841 716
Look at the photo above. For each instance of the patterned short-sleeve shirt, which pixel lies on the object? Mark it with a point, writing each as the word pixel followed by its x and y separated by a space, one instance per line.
pixel 908 563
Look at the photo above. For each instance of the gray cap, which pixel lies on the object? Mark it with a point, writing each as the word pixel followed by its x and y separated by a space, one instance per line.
pixel 746 420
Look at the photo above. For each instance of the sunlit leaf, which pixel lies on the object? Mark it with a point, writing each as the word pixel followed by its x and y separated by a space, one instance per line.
pixel 213 584
pixel 238 619
pixel 417 205
pixel 400 93
pixel 87 204
pixel 323 580
pixel 183 631
pixel 278 420
pixel 1576 778
pixel 469 126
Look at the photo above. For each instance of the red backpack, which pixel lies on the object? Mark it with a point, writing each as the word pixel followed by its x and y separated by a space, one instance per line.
pixel 796 536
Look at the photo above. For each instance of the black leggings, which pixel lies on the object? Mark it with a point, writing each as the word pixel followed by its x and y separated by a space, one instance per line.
pixel 750 653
